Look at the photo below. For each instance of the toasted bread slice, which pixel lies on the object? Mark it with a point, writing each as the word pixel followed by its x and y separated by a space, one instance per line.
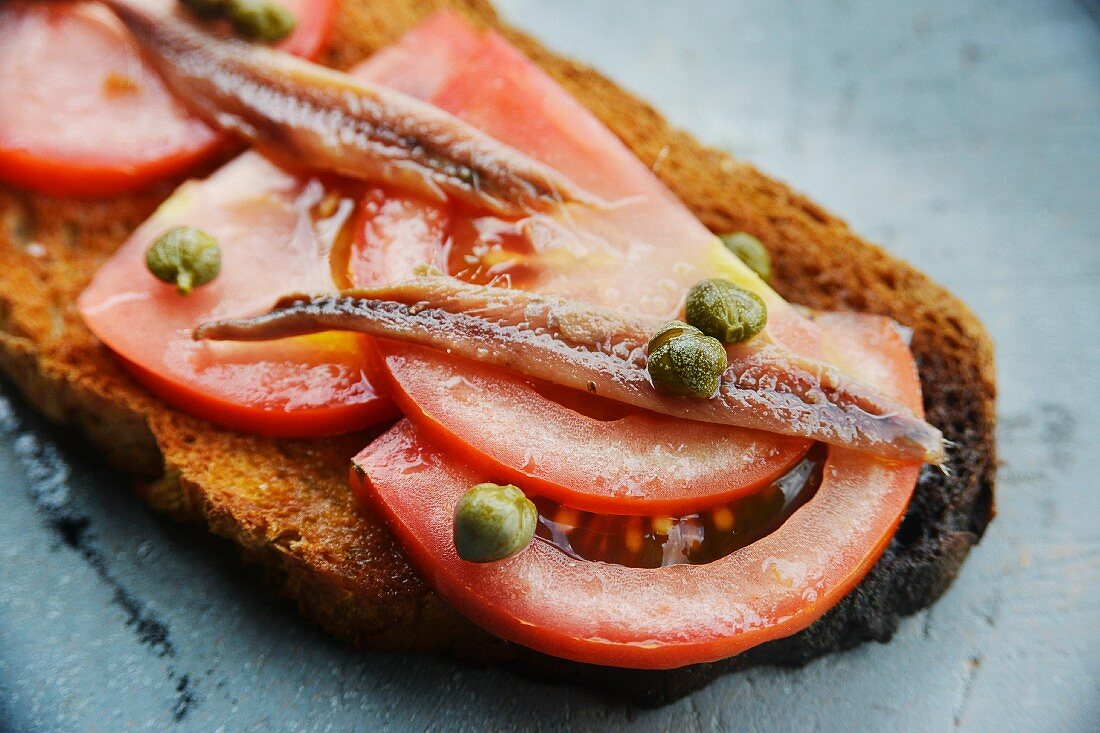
pixel 286 502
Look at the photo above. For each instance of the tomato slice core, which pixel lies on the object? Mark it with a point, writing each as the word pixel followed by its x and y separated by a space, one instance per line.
pixel 658 618
pixel 83 114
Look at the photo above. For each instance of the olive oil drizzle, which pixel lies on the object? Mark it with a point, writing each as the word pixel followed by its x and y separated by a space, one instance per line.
pixel 698 538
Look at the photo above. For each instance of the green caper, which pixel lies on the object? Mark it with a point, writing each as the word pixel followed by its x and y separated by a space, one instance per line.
pixel 260 20
pixel 184 256
pixel 206 9
pixel 683 360
pixel 725 311
pixel 669 331
pixel 749 250
pixel 493 522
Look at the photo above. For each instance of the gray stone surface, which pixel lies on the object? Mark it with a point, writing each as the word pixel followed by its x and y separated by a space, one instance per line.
pixel 964 136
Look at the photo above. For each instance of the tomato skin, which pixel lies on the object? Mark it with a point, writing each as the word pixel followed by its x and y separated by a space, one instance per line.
pixel 394 233
pixel 262 217
pixel 377 409
pixel 63 133
pixel 665 617
pixel 65 176
pixel 648 464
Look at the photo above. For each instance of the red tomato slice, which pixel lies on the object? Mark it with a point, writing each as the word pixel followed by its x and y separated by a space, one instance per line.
pixel 83 114
pixel 394 235
pixel 263 219
pixel 586 452
pixel 664 617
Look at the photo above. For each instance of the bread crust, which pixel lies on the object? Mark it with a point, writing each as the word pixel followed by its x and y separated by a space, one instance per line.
pixel 286 504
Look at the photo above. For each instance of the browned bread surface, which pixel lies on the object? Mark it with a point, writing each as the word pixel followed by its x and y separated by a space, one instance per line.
pixel 286 502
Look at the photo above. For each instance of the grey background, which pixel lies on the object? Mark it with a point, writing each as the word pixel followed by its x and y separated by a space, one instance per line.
pixel 964 136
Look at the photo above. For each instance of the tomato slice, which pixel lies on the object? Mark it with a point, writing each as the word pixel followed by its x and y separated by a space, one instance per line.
pixel 579 450
pixel 83 114
pixel 672 616
pixel 263 219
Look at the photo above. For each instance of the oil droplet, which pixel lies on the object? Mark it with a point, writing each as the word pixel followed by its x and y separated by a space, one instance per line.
pixel 662 525
pixel 634 535
pixel 567 516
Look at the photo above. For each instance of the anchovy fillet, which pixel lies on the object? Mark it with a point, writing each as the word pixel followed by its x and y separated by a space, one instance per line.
pixel 576 345
pixel 307 115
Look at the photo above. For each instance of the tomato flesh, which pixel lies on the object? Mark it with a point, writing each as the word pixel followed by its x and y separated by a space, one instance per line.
pixel 657 618
pixel 395 234
pixel 263 219
pixel 83 114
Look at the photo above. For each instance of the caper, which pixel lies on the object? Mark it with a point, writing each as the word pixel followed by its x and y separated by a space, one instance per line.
pixel 184 256
pixel 260 20
pixel 493 522
pixel 683 360
pixel 206 9
pixel 725 311
pixel 749 250
pixel 669 331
